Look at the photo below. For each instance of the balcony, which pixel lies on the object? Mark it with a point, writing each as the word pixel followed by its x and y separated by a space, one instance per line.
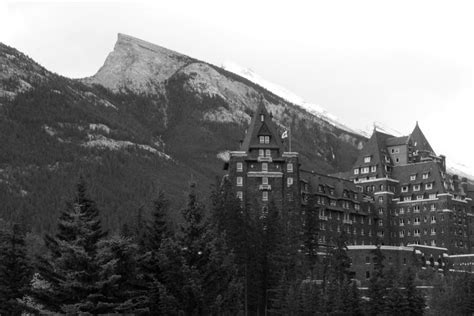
pixel 433 222
pixel 416 235
pixel 347 221
pixel 266 187
pixel 433 233
pixel 264 159
pixel 402 224
pixel 323 217
pixel 416 223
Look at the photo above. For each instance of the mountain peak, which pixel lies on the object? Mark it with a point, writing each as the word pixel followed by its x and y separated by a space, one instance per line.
pixel 138 65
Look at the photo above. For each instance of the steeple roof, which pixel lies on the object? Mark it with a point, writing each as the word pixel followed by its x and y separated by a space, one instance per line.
pixel 259 127
pixel 376 149
pixel 419 141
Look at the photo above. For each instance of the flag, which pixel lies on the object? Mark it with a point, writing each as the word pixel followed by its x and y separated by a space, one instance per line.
pixel 284 135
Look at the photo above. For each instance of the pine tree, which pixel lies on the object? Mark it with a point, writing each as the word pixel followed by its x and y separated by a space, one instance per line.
pixel 69 270
pixel 377 284
pixel 310 235
pixel 415 301
pixel 15 271
pixel 119 288
pixel 211 285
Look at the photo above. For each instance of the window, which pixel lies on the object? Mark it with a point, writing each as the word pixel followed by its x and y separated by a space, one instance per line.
pixel 289 181
pixel 380 222
pixel 357 206
pixel 364 170
pixel 264 180
pixel 405 188
pixel 381 211
pixel 262 140
pixel 261 152
pixel 356 171
pixel 413 177
pixel 380 199
pixel 373 168
pixel 419 197
pixel 265 196
pixel 267 139
pixel 429 186
pixel 239 181
pixel 268 152
pixel 367 260
pixel 239 167
pixel 289 167
pixel 367 159
pixel 407 198
pixel 425 175
pixel 264 166
pixel 262 117
pixel 416 187
pixel 432 195
pixel 240 195
pixel 367 274
pixel 416 221
pixel 416 209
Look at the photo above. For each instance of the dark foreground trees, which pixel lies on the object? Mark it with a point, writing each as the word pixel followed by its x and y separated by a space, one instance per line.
pixel 15 271
pixel 232 260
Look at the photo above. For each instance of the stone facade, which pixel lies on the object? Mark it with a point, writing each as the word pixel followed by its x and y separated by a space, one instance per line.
pixel 397 195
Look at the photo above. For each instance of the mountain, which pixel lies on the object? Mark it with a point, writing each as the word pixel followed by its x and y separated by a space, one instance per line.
pixel 289 96
pixel 150 118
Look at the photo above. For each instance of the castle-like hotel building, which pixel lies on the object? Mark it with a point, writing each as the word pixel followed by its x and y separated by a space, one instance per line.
pixel 397 194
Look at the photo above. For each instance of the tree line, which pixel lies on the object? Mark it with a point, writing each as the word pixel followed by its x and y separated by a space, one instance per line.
pixel 223 259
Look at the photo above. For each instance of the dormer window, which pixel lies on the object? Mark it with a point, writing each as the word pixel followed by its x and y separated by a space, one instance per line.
pixel 367 159
pixel 264 166
pixel 268 153
pixel 240 167
pixel 426 175
pixel 364 170
pixel 413 177
pixel 262 117
pixel 289 167
pixel 429 186
pixel 373 169
pixel 416 187
pixel 356 171
pixel 261 152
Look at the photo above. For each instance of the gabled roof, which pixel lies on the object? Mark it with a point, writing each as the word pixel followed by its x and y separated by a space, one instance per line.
pixel 338 184
pixel 419 141
pixel 267 127
pixel 376 149
pixel 395 141
pixel 403 172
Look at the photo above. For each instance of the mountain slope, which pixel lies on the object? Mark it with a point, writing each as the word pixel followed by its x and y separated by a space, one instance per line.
pixel 150 118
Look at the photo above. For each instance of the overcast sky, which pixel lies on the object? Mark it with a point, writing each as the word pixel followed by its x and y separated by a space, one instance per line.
pixel 392 62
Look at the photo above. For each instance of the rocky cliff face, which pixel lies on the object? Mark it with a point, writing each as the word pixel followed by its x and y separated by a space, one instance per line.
pixel 150 118
pixel 138 66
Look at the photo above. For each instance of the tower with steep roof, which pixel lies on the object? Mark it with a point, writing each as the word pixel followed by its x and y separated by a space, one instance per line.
pixel 262 172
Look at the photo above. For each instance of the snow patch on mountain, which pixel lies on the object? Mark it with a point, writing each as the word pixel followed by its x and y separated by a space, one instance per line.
pixel 100 141
pixel 289 96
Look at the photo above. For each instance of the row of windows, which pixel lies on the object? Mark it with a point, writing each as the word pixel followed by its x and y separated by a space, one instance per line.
pixel 365 170
pixel 417 187
pixel 416 220
pixel 430 196
pixel 424 175
pixel 240 181
pixel 240 166
pixel 415 209
pixel 332 202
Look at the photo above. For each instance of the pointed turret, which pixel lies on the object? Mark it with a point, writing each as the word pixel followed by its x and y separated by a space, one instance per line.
pixel 262 132
pixel 420 144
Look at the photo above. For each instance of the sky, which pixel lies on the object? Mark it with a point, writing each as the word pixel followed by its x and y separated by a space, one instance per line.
pixel 392 63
